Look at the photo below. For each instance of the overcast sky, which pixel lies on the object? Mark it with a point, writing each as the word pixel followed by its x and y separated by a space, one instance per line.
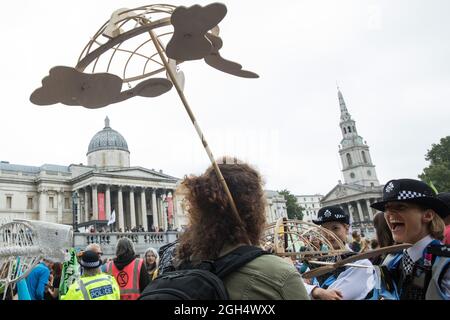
pixel 390 59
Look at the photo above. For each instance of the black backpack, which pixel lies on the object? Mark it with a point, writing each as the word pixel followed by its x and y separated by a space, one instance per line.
pixel 202 282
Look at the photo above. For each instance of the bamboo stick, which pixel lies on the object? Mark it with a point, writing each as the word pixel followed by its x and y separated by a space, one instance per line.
pixel 197 127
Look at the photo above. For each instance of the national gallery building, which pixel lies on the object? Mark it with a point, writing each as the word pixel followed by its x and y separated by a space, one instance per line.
pixel 136 197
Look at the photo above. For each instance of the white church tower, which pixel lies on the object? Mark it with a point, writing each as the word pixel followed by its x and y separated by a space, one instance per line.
pixel 357 166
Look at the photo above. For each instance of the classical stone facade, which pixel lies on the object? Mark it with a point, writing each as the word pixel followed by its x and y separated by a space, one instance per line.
pixel 276 206
pixel 310 204
pixel 361 186
pixel 137 196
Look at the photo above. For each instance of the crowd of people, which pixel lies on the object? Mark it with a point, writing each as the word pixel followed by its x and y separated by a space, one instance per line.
pixel 139 228
pixel 227 247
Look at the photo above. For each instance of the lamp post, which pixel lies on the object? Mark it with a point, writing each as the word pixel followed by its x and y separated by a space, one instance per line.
pixel 74 210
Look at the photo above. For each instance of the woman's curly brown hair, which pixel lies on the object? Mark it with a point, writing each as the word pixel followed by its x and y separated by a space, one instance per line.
pixel 211 221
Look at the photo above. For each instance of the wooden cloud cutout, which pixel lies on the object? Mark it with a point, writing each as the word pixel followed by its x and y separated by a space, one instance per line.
pixel 215 60
pixel 68 86
pixel 194 36
pixel 190 27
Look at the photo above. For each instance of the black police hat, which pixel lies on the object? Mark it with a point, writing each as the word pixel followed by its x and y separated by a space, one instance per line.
pixel 410 190
pixel 90 260
pixel 332 213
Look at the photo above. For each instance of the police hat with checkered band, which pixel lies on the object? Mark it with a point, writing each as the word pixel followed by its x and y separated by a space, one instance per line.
pixel 90 260
pixel 410 190
pixel 331 213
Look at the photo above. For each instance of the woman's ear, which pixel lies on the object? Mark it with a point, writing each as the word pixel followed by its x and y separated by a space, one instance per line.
pixel 428 216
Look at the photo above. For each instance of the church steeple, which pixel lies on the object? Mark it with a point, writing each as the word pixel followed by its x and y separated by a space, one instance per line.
pixel 345 115
pixel 357 164
pixel 347 124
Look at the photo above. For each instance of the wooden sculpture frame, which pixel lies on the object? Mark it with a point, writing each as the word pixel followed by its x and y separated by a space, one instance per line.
pixel 195 36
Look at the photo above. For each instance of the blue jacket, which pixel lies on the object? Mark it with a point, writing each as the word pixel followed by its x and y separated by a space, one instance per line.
pixel 36 281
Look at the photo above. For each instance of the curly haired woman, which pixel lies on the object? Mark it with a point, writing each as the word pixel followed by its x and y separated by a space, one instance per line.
pixel 214 232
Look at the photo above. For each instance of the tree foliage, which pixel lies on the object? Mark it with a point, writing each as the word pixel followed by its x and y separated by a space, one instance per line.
pixel 438 172
pixel 294 210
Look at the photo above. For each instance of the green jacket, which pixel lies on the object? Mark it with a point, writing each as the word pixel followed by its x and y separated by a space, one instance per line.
pixel 267 277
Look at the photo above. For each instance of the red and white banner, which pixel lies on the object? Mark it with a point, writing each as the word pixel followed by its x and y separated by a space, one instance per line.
pixel 169 209
pixel 101 206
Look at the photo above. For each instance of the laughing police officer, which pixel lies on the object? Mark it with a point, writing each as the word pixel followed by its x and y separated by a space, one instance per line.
pixel 93 284
pixel 415 215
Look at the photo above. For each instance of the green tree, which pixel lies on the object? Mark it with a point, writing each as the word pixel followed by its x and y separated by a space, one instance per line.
pixel 294 210
pixel 438 172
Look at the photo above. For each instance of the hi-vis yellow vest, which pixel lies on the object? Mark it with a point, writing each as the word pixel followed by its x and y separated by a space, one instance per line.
pixel 99 287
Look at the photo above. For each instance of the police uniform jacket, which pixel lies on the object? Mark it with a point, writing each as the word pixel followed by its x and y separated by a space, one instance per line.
pixel 99 287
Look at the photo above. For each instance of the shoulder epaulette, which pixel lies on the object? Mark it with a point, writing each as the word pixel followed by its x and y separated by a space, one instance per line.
pixel 439 250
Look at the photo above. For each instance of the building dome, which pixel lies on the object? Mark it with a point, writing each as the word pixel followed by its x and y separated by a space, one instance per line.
pixel 107 139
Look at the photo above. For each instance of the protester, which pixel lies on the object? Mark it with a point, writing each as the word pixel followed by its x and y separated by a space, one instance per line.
pixel 348 283
pixel 356 244
pixel 374 244
pixel 93 284
pixel 38 279
pixel 52 288
pixel 384 235
pixel 215 232
pixel 317 244
pixel 151 257
pixel 414 215
pixel 365 245
pixel 129 271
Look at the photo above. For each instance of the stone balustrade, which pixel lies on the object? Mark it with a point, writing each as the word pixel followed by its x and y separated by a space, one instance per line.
pixel 141 240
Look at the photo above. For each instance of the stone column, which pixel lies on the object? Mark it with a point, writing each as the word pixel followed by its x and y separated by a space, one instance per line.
pixel 43 204
pixel 108 202
pixel 121 220
pixel 369 210
pixel 143 210
pixel 132 209
pixel 349 208
pixel 360 212
pixel 78 207
pixel 60 206
pixel 94 202
pixel 163 211
pixel 86 205
pixel 154 209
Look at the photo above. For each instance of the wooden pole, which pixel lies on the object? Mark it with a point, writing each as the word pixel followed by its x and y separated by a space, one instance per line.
pixel 197 127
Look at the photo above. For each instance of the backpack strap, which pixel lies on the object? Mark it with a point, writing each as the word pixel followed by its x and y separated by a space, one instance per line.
pixel 236 259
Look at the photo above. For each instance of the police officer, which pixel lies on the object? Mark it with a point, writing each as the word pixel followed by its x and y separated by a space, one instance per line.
pixel 347 283
pixel 93 284
pixel 415 215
